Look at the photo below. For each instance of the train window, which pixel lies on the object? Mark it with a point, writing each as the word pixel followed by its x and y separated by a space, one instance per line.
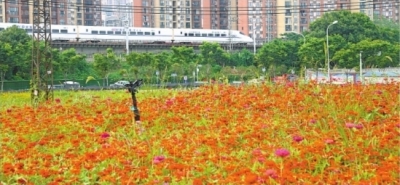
pixel 102 32
pixel 64 31
pixel 223 35
pixel 185 34
pixel 204 34
pixel 132 33
pixel 140 33
pixel 217 34
pixel 74 29
pixel 191 34
pixel 117 33
pixel 197 34
pixel 181 33
pixel 27 30
pixel 55 31
pixel 95 32
pixel 210 34
pixel 146 33
pixel 86 30
pixel 152 33
pixel 110 32
pixel 159 32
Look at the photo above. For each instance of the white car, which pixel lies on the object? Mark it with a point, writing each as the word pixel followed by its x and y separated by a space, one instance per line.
pixel 71 85
pixel 119 84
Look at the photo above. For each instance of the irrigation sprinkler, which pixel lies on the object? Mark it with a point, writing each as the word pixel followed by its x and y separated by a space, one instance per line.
pixel 132 88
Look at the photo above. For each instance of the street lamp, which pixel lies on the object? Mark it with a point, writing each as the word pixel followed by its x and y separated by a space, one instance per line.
pixel 327 48
pixel 157 73
pixel 127 37
pixel 197 69
pixel 254 35
pixel 263 74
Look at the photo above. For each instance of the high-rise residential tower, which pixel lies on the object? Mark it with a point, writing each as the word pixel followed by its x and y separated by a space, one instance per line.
pixel 71 12
pixel 116 12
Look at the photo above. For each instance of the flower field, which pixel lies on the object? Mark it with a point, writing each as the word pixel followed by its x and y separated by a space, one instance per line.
pixel 269 134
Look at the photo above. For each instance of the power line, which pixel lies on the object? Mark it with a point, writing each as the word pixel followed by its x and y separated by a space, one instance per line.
pixel 209 10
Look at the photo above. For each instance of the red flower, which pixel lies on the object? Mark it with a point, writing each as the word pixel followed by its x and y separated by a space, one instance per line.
pixel 329 141
pixel 158 159
pixel 297 138
pixel 105 135
pixel 271 173
pixel 282 152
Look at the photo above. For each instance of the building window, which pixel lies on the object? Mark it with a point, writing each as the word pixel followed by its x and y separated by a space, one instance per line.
pixel 288 13
pixel 287 4
pixel 13 20
pixel 13 11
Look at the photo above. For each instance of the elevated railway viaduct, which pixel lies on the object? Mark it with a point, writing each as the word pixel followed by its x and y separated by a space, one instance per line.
pixel 89 49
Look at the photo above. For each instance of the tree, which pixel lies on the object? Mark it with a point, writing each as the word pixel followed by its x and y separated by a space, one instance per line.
pixel 69 62
pixel 312 54
pixel 375 53
pixel 5 55
pixel 14 36
pixel 353 27
pixel 388 29
pixel 104 63
pixel 14 42
pixel 241 58
pixel 160 63
pixel 212 54
pixel 3 70
pixel 182 55
pixel 272 54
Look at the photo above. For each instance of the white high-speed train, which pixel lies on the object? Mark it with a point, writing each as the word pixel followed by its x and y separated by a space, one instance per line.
pixel 73 33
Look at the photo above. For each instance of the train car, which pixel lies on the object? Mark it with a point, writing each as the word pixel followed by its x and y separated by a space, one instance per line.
pixel 75 33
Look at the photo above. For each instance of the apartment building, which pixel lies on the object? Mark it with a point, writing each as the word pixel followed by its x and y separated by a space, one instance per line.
pixel 14 11
pixel 384 8
pixel 58 12
pixel 84 12
pixel 195 14
pixel 71 12
pixel 116 12
pixel 258 19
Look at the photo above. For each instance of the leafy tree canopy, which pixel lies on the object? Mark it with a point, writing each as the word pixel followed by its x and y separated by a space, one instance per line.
pixel 353 27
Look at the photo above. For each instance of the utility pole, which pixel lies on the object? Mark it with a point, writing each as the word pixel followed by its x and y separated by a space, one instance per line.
pixel 230 19
pixel 42 69
pixel 268 21
pixel 127 29
pixel 254 35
